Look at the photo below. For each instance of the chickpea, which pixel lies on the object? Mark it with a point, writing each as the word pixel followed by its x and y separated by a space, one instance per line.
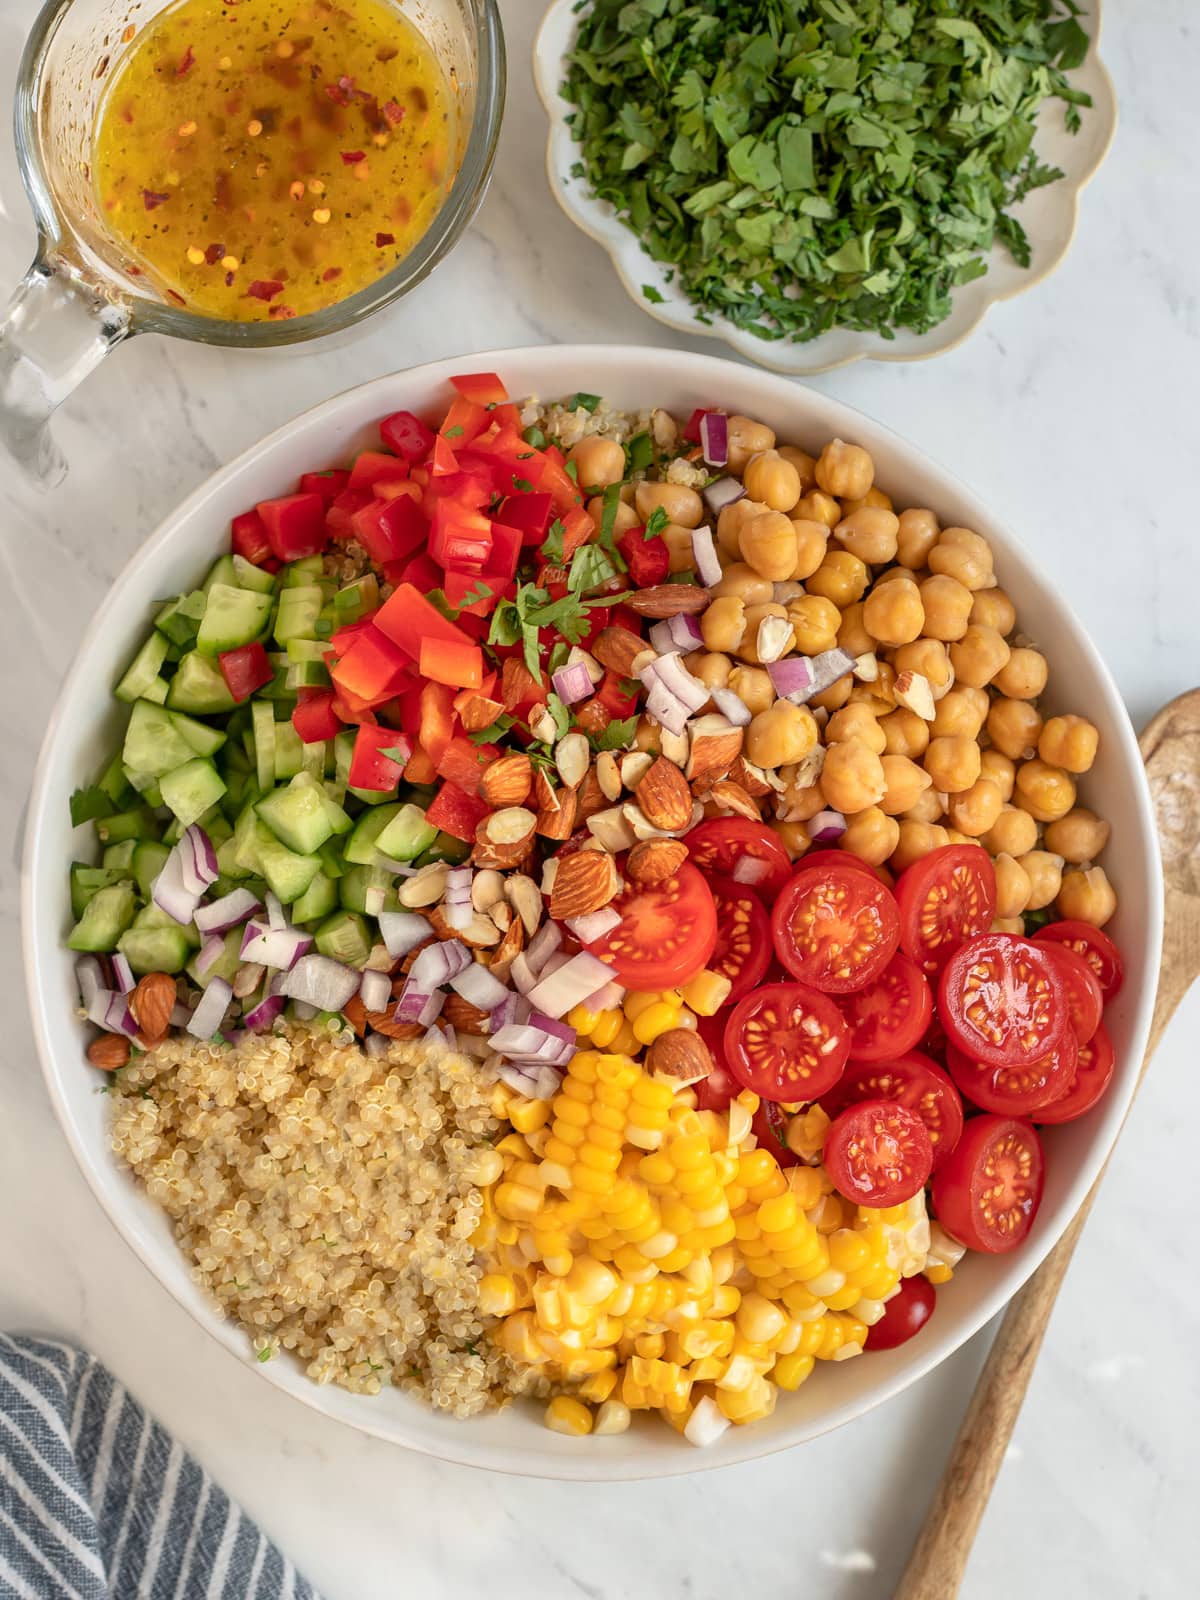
pixel 879 696
pixel 746 438
pixel 741 582
pixel 836 696
pixel 973 811
pixel 780 735
pixel 680 554
pixel 795 840
pixel 805 465
pixel 748 649
pixel 855 722
pixel 845 470
pixel 873 497
pixel 1013 887
pixel 991 608
pixel 961 554
pixel 1014 833
pixel 952 763
pixel 768 544
pixel 979 655
pixel 998 769
pixel 1046 792
pixel 626 517
pixel 731 520
pixel 753 687
pixel 598 462
pixel 947 607
pixel 1014 727
pixel 852 777
pixel 869 534
pixel 871 835
pixel 906 783
pixel 771 479
pixel 723 623
pixel 812 541
pixel 1023 677
pixel 954 837
pixel 894 613
pixel 915 538
pixel 1087 896
pixel 1078 837
pixel 647 736
pixel 916 841
pixel 710 666
pixel 681 504
pixel 1044 870
pixel 841 577
pixel 960 711
pixel 804 801
pixel 815 622
pixel 929 808
pixel 1069 742
pixel 931 659
pixel 905 733
pixel 1007 925
pixel 854 637
pixel 818 507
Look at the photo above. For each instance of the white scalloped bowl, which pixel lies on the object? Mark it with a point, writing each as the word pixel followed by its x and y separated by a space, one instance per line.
pixel 85 725
pixel 1048 215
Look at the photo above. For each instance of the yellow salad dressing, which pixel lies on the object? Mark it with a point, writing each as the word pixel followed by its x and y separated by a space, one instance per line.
pixel 264 158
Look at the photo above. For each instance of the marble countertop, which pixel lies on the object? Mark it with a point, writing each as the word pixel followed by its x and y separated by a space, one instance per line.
pixel 1074 409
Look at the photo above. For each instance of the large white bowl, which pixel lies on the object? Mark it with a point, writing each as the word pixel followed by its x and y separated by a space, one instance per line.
pixel 1048 215
pixel 85 726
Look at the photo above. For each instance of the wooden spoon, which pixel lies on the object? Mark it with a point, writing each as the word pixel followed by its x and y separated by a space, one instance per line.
pixel 1171 750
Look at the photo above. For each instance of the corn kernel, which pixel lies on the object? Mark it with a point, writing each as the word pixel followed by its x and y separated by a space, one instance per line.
pixel 497 1295
pixel 567 1415
pixel 517 1202
pixel 599 1385
pixel 612 1417
pixel 607 1029
pixel 790 1371
pixel 751 1404
pixel 655 1019
pixel 707 993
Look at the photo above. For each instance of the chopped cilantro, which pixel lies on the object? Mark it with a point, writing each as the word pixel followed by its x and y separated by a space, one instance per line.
pixel 89 803
pixel 552 544
pixel 525 455
pixel 655 523
pixel 639 453
pixel 437 599
pixel 523 485
pixel 591 565
pixel 453 433
pixel 497 730
pixel 652 294
pixel 571 468
pixel 560 713
pixel 265 1355
pixel 536 438
pixel 481 591
pixel 616 735
pixel 582 402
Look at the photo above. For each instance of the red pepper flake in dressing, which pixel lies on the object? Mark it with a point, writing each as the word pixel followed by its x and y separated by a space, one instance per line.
pixel 351 158
pixel 186 62
pixel 264 289
pixel 393 111
pixel 279 313
pixel 150 200
pixel 382 239
pixel 213 254
pixel 330 274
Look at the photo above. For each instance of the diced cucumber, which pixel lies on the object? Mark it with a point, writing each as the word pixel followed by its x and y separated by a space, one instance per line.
pixel 344 937
pixel 142 671
pixel 245 843
pixel 191 789
pixel 157 692
pixel 114 782
pixel 352 889
pixel 317 901
pixel 406 835
pixel 226 964
pixel 247 576
pixel 264 744
pixel 306 650
pixel 149 858
pixel 289 751
pixel 137 824
pixel 105 917
pixel 204 740
pixel 332 864
pixel 357 598
pixel 180 619
pixel 86 883
pixel 151 918
pixel 153 742
pixel 359 848
pixel 221 571
pixel 299 608
pixel 155 949
pixel 227 859
pixel 312 759
pixel 298 815
pixel 218 827
pixel 339 820
pixel 288 875
pixel 299 574
pixel 232 618
pixel 199 686
pixel 308 675
pixel 445 848
pixel 120 855
pixel 144 783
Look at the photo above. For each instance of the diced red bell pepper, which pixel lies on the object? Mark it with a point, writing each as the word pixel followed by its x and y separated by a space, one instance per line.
pixel 459 665
pixel 467 696
pixel 460 538
pixel 648 560
pixel 295 525
pixel 406 617
pixel 350 709
pixel 626 617
pixel 506 550
pixel 313 716
pixel 379 758
pixel 373 668
pixel 462 591
pixel 407 435
pixel 464 421
pixel 345 636
pixel 339 515
pixel 564 491
pixel 328 484
pixel 420 768
pixel 371 466
pixel 443 460
pixel 691 428
pixel 421 574
pixel 435 719
pixel 618 702
pixel 464 763
pixel 529 513
pixel 456 812
pixel 484 388
pixel 390 530
pixel 553 579
pixel 578 529
pixel 508 416
pixel 245 669
pixel 470 489
pixel 248 536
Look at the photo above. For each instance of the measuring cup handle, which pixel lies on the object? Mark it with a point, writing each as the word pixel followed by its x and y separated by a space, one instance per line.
pixel 53 332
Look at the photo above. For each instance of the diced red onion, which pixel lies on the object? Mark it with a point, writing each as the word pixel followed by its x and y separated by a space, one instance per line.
pixel 108 1010
pixel 704 553
pixel 792 678
pixel 556 994
pixel 280 948
pixel 458 886
pixel 513 1008
pixel 677 634
pixel 210 1012
pixel 374 900
pixel 478 987
pixel 304 1010
pixel 714 438
pixel 542 946
pixel 403 931
pixel 89 975
pixel 376 990
pixel 594 925
pixel 322 982
pixel 522 974
pixel 402 869
pixel 522 1079
pixel 276 920
pixel 198 860
pixel 732 707
pixel 218 916
pixel 442 1035
pixel 724 492
pixel 180 1015
pixel 826 825
pixel 830 665
pixel 458 914
pixel 606 999
pixel 527 1042
pixel 247 979
pixel 557 960
pixel 123 973
pixel 438 963
pixel 169 893
pixel 667 708
pixel 562 1031
pixel 661 638
pixel 264 1013
pixel 750 870
pixel 419 1005
pixel 572 683
pixel 210 953
pixel 674 676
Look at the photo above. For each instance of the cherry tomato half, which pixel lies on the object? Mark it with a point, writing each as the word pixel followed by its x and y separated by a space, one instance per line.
pixel 1085 998
pixel 878 1153
pixel 770 1128
pixel 716 1091
pixel 905 1314
pixel 825 857
pixel 912 1081
pixel 944 898
pixel 743 949
pixel 1094 945
pixel 988 1192
pixel 1002 1001
pixel 1093 1074
pixel 834 927
pixel 891 1013
pixel 666 933
pixel 1020 1090
pixel 786 1042
pixel 748 852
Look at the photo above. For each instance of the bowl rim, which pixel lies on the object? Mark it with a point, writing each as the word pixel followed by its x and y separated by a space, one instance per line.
pixel 620 243
pixel 42 926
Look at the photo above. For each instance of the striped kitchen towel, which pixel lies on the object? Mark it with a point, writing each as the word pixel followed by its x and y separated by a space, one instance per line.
pixel 98 1502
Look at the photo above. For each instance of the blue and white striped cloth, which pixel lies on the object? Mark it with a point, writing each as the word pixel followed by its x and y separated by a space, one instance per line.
pixel 98 1502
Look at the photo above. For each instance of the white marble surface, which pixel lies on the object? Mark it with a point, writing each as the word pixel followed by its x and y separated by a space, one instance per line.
pixel 1075 410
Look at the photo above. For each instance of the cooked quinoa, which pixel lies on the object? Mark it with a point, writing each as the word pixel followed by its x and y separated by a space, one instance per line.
pixel 327 1200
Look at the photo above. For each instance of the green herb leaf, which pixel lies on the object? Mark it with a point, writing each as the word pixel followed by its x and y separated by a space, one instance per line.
pixel 655 523
pixel 536 438
pixel 552 544
pixel 560 713
pixel 616 735
pixel 481 591
pixel 523 485
pixel 653 295
pixel 88 804
pixel 494 733
pixel 453 433
pixel 582 402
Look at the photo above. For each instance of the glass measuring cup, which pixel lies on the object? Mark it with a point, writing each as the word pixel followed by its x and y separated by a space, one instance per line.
pixel 80 297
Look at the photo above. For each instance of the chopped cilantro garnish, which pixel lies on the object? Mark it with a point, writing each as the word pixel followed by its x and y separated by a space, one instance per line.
pixel 616 735
pixel 481 591
pixel 552 544
pixel 453 433
pixel 89 803
pixel 652 294
pixel 591 566
pixel 582 402
pixel 560 713
pixel 656 522
pixel 523 485
pixel 264 1355
pixel 571 468
pixel 536 438
pixel 524 455
pixel 639 453
pixel 497 730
